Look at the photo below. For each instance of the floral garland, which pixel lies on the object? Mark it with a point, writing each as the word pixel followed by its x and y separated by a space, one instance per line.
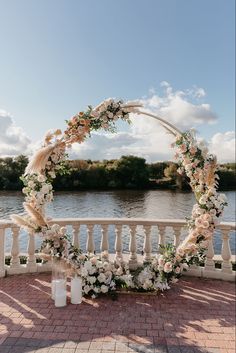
pixel 99 275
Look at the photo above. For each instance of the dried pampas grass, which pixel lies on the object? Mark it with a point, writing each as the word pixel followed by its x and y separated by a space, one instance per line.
pixel 168 126
pixel 22 222
pixel 38 162
pixel 35 215
pixel 45 257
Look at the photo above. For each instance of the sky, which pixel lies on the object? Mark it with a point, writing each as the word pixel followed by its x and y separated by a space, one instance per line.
pixel 58 56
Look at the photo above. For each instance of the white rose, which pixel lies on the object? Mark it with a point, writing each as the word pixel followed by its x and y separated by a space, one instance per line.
pixel 41 178
pixel 101 278
pixel 222 198
pixel 88 265
pixel 99 264
pixel 86 289
pixel 203 200
pixel 63 230
pixel 104 289
pixel 55 227
pixel 31 184
pixel 91 279
pixel 184 266
pixel 92 270
pixel 45 188
pixel 84 272
pixel 52 175
pixel 119 272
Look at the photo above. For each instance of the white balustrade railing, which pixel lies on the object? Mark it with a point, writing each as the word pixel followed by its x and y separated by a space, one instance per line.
pixel 121 239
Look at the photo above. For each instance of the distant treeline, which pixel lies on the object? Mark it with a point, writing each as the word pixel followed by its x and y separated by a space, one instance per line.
pixel 128 172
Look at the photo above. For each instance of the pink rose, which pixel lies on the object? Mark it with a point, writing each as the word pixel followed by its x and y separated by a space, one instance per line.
pixel 168 267
pixel 193 150
pixel 205 224
pixel 183 148
pixel 178 258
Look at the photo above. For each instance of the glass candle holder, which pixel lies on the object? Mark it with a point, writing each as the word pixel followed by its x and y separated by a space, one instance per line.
pixel 76 289
pixel 58 283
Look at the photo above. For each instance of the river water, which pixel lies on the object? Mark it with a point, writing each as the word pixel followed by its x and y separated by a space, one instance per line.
pixel 116 204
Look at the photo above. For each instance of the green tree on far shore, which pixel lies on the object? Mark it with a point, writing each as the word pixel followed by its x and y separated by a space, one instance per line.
pixel 128 172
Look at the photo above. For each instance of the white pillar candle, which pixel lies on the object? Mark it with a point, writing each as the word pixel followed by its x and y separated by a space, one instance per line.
pixel 76 290
pixel 60 293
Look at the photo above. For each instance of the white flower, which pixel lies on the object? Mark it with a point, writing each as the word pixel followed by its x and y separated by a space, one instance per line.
pixel 104 289
pixel 106 266
pixel 119 271
pixel 88 265
pixel 31 184
pixel 86 289
pixel 91 279
pixel 63 230
pixel 92 270
pixel 45 188
pixel 101 278
pixel 52 174
pixel 55 228
pixel 185 266
pixel 112 284
pixel 203 200
pixel 84 272
pixel 99 264
pixel 222 198
pixel 41 178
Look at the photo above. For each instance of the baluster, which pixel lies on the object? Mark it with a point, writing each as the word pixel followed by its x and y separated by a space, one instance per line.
pixel 31 262
pixel 118 243
pixel 209 263
pixel 2 252
pixel 177 235
pixel 162 236
pixel 226 252
pixel 15 259
pixel 104 241
pixel 90 240
pixel 147 247
pixel 133 248
pixel 76 234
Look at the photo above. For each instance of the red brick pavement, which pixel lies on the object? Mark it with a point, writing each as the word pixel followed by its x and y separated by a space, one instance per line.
pixel 196 315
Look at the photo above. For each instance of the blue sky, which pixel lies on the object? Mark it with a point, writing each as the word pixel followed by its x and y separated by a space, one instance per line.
pixel 58 56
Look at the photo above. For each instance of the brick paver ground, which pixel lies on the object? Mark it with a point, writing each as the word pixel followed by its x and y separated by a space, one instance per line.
pixel 196 315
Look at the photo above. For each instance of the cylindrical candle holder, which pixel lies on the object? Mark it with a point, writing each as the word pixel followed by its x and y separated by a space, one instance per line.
pixel 58 284
pixel 60 293
pixel 76 290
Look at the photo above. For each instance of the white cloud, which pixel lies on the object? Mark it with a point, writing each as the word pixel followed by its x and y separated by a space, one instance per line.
pixel 146 137
pixel 13 140
pixel 223 146
pixel 104 146
pixel 182 108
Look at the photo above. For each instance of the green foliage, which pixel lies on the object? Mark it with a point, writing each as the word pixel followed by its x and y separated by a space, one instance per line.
pixel 227 179
pixel 128 172
pixel 10 171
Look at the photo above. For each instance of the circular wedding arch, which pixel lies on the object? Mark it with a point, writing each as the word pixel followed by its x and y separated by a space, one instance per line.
pixel 194 160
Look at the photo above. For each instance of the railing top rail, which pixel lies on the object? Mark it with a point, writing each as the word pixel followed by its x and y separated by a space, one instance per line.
pixel 119 221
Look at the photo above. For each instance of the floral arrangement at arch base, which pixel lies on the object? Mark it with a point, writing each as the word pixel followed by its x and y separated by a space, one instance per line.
pixel 98 274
